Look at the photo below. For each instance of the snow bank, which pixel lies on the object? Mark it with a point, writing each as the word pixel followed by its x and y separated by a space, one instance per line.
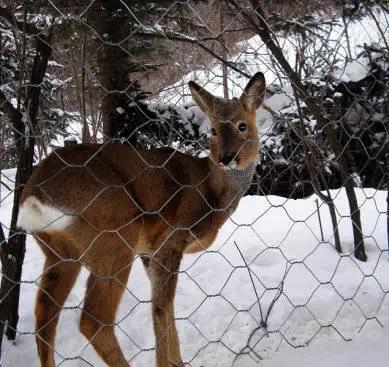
pixel 325 298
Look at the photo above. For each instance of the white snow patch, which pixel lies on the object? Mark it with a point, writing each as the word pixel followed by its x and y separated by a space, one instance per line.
pixel 354 71
pixel 279 101
pixel 357 71
pixel 357 353
pixel 70 138
pixel 58 111
pixel 54 63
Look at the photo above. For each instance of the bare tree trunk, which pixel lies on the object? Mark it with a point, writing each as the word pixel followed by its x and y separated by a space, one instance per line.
pixel 257 20
pixel 315 167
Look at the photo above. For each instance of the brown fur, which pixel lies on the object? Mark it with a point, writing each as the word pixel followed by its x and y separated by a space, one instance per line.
pixel 158 204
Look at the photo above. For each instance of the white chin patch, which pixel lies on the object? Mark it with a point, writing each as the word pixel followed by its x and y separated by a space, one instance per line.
pixel 231 165
pixel 34 216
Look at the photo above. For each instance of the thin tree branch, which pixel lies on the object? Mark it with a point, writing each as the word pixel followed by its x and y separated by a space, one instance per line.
pixel 174 36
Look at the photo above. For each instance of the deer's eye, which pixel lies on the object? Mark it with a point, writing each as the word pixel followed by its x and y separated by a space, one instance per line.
pixel 242 126
pixel 213 132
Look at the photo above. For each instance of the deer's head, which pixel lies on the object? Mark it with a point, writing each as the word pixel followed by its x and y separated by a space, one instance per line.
pixel 234 141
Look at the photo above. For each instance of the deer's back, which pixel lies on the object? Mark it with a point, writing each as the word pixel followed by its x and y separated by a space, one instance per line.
pixel 116 187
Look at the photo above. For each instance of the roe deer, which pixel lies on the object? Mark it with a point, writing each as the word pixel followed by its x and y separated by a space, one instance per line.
pixel 99 206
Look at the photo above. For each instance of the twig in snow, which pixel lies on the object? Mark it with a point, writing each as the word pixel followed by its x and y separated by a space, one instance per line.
pixel 252 282
pixel 263 323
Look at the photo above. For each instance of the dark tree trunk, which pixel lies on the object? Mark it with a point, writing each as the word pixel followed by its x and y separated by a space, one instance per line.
pixel 386 113
pixel 13 250
pixel 387 216
pixel 359 247
pixel 331 207
pixel 113 23
pixel 315 168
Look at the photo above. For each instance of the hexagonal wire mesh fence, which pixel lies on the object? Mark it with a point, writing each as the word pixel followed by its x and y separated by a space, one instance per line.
pixel 152 169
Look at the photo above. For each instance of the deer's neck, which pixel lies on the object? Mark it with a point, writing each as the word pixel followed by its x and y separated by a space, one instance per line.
pixel 233 184
pixel 241 179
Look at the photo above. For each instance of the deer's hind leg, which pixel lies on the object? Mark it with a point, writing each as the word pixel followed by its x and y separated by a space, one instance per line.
pixel 59 275
pixel 105 288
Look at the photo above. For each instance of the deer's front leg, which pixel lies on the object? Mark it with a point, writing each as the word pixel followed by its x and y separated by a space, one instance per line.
pixel 163 271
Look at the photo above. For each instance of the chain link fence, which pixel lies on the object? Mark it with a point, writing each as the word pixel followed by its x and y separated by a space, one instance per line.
pixel 303 259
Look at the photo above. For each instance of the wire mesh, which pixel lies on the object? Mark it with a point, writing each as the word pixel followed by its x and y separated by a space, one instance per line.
pixel 302 259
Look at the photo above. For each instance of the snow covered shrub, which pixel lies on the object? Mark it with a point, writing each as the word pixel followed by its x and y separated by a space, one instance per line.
pixel 182 127
pixel 355 98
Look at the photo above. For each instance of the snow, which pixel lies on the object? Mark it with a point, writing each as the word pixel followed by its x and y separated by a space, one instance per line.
pixel 354 71
pixel 70 138
pixel 281 100
pixel 54 63
pixel 321 298
pixel 158 29
pixel 359 353
pixel 58 111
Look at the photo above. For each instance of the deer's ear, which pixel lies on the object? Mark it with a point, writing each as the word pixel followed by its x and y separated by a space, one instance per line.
pixel 205 100
pixel 254 93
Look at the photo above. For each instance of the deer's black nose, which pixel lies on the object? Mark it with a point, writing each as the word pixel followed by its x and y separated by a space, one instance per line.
pixel 226 159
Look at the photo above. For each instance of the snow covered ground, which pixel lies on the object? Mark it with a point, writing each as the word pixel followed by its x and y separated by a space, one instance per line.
pixel 364 351
pixel 325 298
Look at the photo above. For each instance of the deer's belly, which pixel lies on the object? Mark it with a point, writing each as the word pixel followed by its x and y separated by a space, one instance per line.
pixel 202 243
pixel 204 234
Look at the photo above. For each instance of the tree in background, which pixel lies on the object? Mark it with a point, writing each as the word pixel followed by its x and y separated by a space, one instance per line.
pixel 20 104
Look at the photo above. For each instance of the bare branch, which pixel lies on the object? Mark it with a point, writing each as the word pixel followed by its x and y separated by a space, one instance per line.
pixel 175 36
